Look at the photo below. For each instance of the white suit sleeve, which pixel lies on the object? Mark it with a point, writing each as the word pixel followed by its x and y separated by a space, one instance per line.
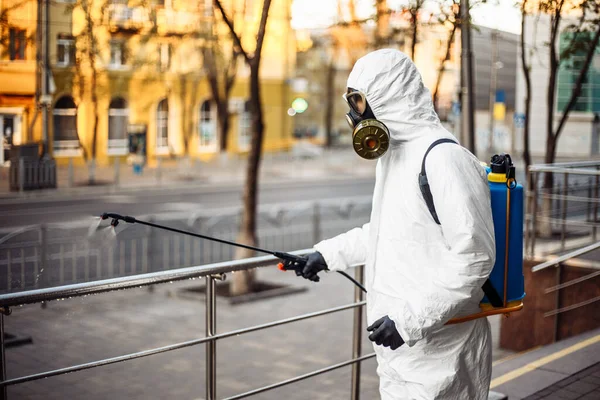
pixel 462 200
pixel 346 249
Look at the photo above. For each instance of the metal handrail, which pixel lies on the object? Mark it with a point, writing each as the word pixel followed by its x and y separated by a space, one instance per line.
pixel 129 282
pixel 566 257
pixel 211 272
pixel 574 164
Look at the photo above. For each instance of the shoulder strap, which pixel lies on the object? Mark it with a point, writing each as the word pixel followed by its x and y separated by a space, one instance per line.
pixel 424 183
pixel 488 289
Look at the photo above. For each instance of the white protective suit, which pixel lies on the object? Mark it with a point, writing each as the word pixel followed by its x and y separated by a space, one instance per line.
pixel 419 273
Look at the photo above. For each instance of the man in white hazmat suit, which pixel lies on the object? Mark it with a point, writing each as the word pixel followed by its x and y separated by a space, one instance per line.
pixel 419 274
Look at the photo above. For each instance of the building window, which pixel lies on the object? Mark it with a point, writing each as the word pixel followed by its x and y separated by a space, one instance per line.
pixel 117 54
pixel 10 131
pixel 589 99
pixel 164 56
pixel 208 8
pixel 65 126
pixel 162 125
pixel 65 51
pixel 207 127
pixel 118 118
pixel 245 129
pixel 17 42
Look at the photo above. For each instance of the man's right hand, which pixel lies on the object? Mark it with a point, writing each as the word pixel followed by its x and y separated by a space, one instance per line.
pixel 313 264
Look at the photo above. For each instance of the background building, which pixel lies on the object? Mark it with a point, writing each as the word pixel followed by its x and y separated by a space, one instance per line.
pixel 577 138
pixel 121 71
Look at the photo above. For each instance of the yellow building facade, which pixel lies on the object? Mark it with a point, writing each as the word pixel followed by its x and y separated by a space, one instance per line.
pixel 139 70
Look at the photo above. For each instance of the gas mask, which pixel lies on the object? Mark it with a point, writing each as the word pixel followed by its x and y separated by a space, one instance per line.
pixel 370 137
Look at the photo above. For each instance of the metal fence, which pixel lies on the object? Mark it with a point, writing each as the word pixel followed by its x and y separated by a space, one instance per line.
pixel 43 256
pixel 211 273
pixel 562 207
pixel 562 219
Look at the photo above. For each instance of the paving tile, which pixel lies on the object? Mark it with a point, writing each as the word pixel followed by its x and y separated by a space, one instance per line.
pixel 567 395
pixel 581 387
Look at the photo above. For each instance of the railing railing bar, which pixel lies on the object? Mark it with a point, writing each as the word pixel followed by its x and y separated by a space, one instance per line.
pixel 300 378
pixel 176 346
pixel 541 167
pixel 566 257
pixel 560 170
pixel 126 282
pixel 567 222
pixel 573 282
pixel 569 198
pixel 572 307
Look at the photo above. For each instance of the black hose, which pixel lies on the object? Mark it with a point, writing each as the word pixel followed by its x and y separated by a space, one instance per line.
pixel 132 220
pixel 353 281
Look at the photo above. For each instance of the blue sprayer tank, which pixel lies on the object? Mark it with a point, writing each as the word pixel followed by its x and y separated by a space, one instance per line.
pixel 500 178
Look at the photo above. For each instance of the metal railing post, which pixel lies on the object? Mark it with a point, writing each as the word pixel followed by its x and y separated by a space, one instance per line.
pixel 43 272
pixel 211 346
pixel 595 229
pixel 3 390
pixel 563 232
pixel 528 213
pixel 534 205
pixel 357 334
pixel 557 302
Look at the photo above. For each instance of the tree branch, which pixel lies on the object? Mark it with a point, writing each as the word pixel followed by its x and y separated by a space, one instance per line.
pixel 577 89
pixel 236 39
pixel 260 36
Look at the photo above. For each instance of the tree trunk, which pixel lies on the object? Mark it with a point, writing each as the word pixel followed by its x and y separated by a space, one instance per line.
pixel 442 67
pixel 413 45
pixel 329 103
pixel 547 185
pixel 183 100
pixel 223 121
pixel 243 281
pixel 92 170
pixel 527 75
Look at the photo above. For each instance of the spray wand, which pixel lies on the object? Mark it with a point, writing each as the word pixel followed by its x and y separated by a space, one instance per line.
pixel 294 263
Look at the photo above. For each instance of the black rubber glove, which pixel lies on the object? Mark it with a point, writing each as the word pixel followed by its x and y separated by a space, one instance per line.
pixel 313 264
pixel 385 333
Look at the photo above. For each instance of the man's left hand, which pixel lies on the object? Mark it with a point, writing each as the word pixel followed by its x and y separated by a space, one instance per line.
pixel 385 333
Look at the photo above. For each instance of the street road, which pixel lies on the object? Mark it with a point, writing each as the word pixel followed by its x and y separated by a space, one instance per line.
pixel 28 212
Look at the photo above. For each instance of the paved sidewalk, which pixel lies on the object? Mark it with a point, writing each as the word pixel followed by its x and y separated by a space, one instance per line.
pixel 584 385
pixel 568 369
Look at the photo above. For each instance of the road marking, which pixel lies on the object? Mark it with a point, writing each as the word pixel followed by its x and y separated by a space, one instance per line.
pixel 543 361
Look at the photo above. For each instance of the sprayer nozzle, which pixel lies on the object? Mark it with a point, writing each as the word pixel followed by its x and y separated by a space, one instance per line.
pixel 104 216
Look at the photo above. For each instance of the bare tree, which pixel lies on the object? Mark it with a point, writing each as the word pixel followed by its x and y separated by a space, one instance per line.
pixel 585 35
pixel 88 52
pixel 243 281
pixel 414 8
pixel 527 75
pixel 449 15
pixel 221 73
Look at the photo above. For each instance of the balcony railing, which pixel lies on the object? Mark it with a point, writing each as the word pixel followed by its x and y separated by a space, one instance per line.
pixel 211 273
pixel 126 18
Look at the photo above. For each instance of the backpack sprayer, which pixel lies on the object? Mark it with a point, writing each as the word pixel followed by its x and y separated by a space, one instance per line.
pixel 291 261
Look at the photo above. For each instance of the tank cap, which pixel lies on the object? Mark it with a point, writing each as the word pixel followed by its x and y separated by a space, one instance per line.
pixel 502 164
